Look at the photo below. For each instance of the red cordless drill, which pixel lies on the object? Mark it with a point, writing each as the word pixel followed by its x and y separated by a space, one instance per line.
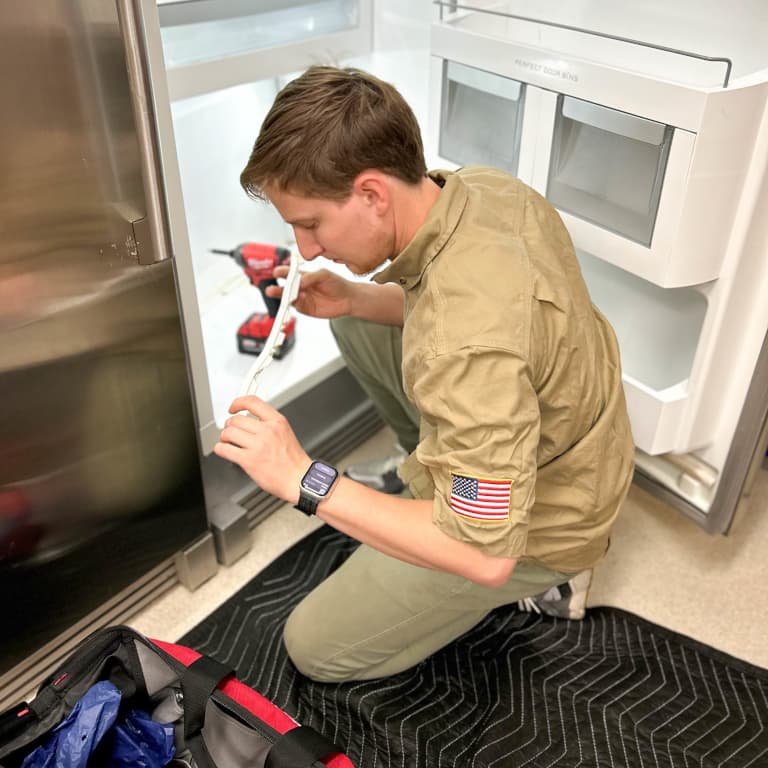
pixel 258 260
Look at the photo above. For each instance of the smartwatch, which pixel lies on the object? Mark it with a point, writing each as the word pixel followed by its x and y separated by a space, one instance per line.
pixel 316 485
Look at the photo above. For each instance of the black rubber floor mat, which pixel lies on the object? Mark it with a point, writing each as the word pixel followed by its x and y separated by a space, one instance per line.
pixel 518 690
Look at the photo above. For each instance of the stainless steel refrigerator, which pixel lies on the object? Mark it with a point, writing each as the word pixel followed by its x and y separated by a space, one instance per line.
pixel 99 471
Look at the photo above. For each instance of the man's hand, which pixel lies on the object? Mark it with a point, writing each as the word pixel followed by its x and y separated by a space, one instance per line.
pixel 321 294
pixel 325 294
pixel 265 447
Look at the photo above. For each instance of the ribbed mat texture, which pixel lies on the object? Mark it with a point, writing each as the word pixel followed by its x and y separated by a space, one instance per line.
pixel 519 690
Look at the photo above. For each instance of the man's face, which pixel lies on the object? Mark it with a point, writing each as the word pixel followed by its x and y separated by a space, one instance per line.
pixel 353 232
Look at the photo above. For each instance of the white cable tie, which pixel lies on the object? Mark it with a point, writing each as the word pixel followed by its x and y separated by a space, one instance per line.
pixel 277 334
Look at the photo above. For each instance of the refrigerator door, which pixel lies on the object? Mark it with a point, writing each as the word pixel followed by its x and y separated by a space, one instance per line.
pixel 99 469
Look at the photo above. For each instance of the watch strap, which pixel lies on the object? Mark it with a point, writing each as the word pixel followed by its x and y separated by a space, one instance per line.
pixel 307 504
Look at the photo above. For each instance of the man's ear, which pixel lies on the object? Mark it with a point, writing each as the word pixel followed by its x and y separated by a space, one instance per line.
pixel 373 188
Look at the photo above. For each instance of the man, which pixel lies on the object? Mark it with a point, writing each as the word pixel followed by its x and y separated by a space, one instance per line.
pixel 524 454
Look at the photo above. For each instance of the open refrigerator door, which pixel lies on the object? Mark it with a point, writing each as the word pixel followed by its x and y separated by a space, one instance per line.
pixel 648 133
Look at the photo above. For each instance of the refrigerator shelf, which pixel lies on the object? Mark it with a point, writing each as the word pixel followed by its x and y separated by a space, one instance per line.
pixel 632 36
pixel 219 44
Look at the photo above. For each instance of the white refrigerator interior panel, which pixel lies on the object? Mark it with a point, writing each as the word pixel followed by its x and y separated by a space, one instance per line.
pixel 214 136
pixel 739 310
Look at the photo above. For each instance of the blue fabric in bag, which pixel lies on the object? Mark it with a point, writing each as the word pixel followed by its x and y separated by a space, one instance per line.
pixel 140 742
pixel 134 739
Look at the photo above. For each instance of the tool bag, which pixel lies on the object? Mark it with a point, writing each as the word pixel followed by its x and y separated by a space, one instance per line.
pixel 219 722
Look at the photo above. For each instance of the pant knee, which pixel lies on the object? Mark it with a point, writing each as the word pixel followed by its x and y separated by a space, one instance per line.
pixel 322 658
pixel 298 648
pixel 306 653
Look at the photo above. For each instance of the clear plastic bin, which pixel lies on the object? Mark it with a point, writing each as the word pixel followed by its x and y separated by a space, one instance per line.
pixel 608 167
pixel 475 104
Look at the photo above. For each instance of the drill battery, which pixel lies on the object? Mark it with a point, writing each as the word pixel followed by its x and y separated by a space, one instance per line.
pixel 253 333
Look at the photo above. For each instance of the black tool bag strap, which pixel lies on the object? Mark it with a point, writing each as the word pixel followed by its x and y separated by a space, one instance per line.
pixel 198 682
pixel 300 748
pixel 15 721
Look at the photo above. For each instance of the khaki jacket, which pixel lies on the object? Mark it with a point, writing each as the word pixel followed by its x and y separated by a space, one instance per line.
pixel 525 444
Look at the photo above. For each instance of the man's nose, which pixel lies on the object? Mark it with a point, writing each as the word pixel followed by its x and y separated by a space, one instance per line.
pixel 309 248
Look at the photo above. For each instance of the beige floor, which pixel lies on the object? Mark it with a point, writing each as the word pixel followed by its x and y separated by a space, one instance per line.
pixel 664 567
pixel 660 566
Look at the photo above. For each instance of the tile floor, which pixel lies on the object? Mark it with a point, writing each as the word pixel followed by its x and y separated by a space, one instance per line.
pixel 661 566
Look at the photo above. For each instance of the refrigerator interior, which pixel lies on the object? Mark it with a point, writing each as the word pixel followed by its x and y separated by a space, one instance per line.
pixel 213 134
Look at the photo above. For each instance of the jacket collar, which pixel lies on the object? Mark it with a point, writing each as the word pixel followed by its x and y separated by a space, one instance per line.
pixel 409 265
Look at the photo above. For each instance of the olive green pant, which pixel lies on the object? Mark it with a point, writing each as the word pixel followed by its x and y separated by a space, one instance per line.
pixel 374 355
pixel 376 615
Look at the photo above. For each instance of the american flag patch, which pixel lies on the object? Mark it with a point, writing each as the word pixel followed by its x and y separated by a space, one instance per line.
pixel 480 499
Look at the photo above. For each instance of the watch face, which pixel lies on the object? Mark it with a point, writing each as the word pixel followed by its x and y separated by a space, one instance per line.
pixel 319 478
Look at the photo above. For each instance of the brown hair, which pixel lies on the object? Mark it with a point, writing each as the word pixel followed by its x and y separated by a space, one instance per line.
pixel 326 127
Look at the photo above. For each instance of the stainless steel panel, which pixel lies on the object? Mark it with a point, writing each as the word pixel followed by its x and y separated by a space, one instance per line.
pixel 197 563
pixel 97 435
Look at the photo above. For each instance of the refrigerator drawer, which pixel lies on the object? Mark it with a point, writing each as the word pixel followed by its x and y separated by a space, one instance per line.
pixel 206 31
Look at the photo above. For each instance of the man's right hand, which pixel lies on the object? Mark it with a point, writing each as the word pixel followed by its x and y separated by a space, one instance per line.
pixel 325 294
pixel 321 293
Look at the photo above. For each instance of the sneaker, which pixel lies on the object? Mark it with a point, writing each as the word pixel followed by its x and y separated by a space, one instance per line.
pixel 565 601
pixel 380 474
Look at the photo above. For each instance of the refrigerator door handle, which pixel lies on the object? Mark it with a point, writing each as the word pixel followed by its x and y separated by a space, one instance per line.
pixel 151 232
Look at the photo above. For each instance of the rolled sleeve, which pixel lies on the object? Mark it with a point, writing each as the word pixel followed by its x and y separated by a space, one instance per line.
pixel 480 424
